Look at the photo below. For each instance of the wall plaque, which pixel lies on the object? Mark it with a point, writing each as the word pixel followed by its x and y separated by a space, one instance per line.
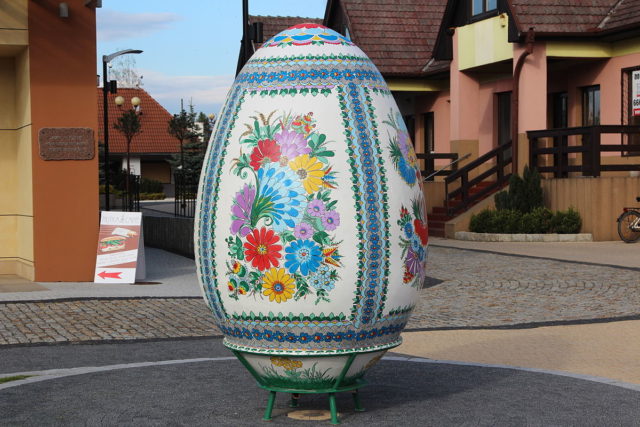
pixel 66 143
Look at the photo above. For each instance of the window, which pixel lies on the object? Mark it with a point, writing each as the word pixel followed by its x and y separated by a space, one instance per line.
pixel 591 105
pixel 560 119
pixel 479 7
pixel 560 110
pixel 429 128
pixel 504 117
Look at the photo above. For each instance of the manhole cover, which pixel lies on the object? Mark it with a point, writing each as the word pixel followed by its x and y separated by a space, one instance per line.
pixel 310 415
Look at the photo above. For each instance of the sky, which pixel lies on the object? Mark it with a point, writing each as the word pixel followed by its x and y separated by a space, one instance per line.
pixel 190 46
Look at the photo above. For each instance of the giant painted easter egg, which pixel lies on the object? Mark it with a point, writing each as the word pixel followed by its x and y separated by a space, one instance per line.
pixel 311 232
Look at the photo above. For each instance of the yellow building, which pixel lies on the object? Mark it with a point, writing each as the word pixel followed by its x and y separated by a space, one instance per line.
pixel 48 157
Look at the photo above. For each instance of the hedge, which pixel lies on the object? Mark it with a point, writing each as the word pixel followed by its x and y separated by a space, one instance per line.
pixel 538 221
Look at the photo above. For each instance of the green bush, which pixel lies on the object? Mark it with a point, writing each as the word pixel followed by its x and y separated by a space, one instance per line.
pixel 152 196
pixel 503 201
pixel 507 221
pixel 112 190
pixel 566 222
pixel 524 194
pixel 539 221
pixel 150 186
pixel 490 221
pixel 482 221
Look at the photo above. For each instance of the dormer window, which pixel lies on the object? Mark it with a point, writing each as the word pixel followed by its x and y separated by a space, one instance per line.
pixel 478 7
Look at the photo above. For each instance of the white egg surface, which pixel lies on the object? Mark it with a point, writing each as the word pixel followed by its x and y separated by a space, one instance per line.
pixel 311 230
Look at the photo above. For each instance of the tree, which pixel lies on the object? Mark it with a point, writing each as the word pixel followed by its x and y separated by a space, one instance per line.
pixel 182 126
pixel 207 127
pixel 124 71
pixel 129 124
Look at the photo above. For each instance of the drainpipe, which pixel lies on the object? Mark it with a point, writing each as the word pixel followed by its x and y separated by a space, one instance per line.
pixel 529 41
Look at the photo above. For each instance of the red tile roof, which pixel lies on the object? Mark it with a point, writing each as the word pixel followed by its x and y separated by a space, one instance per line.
pixel 575 16
pixel 397 35
pixel 625 13
pixel 154 137
pixel 272 25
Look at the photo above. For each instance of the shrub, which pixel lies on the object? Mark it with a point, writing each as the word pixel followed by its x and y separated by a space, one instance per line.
pixel 112 190
pixel 537 221
pixel 524 194
pixel 481 222
pixel 566 222
pixel 531 190
pixel 491 221
pixel 503 201
pixel 150 186
pixel 507 221
pixel 152 196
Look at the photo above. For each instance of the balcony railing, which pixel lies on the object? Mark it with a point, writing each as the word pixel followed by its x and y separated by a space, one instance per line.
pixel 429 164
pixel 585 146
pixel 478 179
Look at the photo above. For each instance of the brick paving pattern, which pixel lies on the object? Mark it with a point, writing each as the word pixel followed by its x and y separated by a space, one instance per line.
pixel 476 289
pixel 97 320
pixel 487 289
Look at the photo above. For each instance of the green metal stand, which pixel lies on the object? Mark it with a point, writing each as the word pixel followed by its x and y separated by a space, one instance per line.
pixel 356 401
pixel 295 393
pixel 270 402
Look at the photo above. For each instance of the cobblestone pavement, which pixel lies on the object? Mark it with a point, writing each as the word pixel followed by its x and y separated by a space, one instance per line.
pixel 487 289
pixel 99 319
pixel 465 289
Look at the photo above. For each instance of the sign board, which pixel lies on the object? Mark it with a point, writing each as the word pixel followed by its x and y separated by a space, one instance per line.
pixel 66 143
pixel 635 92
pixel 120 248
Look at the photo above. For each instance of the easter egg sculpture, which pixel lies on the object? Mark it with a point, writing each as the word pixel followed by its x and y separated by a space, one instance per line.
pixel 311 230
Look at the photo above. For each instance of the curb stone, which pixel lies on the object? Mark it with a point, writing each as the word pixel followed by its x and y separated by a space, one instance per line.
pixel 502 237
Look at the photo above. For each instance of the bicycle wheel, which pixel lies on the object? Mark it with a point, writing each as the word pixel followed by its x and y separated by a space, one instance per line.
pixel 625 223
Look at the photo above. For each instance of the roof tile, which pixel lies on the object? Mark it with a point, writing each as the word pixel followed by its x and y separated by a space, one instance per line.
pixel 562 16
pixel 154 120
pixel 398 36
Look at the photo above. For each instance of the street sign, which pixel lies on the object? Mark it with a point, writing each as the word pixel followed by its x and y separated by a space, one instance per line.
pixel 120 248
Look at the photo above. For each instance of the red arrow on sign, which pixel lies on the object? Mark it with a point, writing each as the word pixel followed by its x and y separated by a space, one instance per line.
pixel 115 275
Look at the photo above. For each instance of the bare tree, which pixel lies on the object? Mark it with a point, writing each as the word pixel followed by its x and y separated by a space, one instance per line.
pixel 124 71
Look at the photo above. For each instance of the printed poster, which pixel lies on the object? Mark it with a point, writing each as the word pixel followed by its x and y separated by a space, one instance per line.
pixel 120 248
pixel 635 92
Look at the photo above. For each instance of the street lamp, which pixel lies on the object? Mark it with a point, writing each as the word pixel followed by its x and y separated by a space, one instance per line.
pixel 105 90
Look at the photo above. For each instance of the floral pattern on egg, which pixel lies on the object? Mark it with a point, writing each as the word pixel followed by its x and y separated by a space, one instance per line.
pixel 283 241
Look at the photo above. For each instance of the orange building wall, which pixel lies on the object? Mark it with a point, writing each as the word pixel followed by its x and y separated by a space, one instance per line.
pixel 62 54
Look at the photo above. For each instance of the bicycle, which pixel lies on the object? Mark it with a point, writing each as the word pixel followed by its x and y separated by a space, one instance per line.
pixel 629 224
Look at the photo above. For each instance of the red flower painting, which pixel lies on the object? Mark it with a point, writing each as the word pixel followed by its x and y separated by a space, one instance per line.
pixel 262 248
pixel 267 150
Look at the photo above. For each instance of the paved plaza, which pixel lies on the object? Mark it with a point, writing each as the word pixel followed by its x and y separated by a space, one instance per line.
pixel 499 337
pixel 465 289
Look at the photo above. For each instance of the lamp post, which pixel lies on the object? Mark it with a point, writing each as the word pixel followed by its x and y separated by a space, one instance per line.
pixel 105 105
